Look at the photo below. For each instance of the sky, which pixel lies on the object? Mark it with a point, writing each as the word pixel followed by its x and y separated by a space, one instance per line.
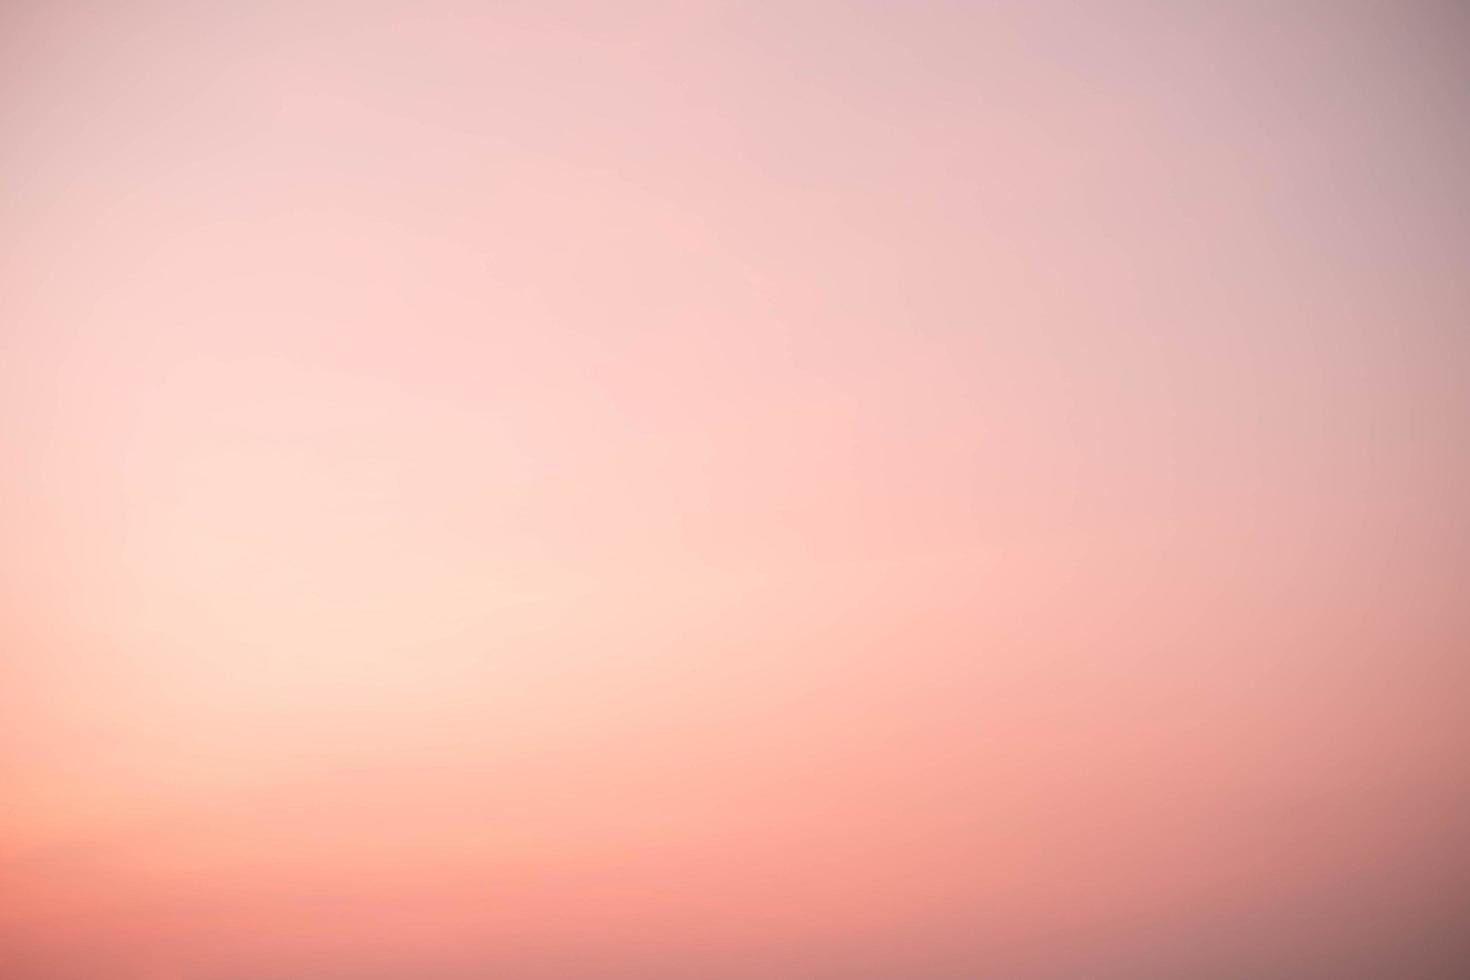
pixel 658 490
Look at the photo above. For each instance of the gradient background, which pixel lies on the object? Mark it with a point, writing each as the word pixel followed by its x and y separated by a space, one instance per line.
pixel 840 491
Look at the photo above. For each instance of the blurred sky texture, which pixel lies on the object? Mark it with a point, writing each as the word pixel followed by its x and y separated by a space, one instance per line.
pixel 782 490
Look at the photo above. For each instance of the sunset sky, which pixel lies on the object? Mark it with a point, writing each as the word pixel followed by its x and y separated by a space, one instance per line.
pixel 799 490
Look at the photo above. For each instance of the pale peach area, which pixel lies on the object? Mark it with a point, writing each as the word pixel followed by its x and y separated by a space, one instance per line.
pixel 921 490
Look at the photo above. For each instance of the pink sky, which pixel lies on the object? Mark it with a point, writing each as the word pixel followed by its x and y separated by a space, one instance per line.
pixel 837 491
